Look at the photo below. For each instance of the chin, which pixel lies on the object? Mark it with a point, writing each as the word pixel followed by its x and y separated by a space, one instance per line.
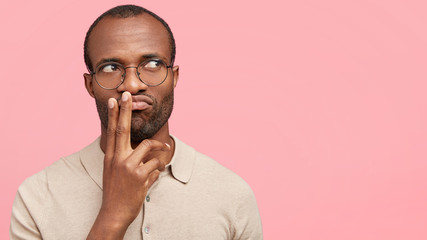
pixel 139 136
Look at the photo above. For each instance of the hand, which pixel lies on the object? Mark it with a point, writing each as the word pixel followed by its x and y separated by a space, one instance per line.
pixel 128 174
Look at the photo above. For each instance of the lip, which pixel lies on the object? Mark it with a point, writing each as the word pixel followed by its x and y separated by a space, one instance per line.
pixel 142 98
pixel 140 106
pixel 141 102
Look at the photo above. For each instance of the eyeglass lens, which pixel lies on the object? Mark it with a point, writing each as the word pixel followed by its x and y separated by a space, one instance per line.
pixel 110 75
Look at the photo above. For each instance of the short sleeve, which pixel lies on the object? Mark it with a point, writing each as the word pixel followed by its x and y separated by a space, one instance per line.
pixel 22 225
pixel 27 210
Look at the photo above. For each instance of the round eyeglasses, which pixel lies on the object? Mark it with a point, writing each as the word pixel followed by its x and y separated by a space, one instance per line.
pixel 110 75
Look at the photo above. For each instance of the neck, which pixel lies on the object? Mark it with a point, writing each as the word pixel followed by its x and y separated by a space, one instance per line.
pixel 162 136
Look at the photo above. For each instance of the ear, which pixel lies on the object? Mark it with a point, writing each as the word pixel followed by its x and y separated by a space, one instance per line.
pixel 175 71
pixel 88 84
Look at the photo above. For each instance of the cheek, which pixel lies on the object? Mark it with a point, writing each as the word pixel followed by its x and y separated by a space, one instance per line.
pixel 164 91
pixel 103 94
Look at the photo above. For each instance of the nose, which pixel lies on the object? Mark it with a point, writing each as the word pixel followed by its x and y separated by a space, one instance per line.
pixel 131 82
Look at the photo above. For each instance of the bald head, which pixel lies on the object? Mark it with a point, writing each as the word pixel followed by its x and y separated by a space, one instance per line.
pixel 126 11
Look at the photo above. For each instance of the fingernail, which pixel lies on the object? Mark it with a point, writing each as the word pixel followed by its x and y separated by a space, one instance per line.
pixel 110 103
pixel 169 146
pixel 125 97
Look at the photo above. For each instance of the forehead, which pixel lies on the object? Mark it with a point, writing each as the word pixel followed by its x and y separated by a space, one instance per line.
pixel 128 39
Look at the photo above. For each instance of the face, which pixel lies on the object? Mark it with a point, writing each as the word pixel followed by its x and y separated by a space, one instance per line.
pixel 130 41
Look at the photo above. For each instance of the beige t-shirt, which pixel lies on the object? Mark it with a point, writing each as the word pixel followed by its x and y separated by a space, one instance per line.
pixel 194 198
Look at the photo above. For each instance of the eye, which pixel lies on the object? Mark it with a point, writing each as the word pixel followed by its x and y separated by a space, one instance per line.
pixel 108 68
pixel 153 65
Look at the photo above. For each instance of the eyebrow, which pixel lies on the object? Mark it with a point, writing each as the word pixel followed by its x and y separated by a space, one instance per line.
pixel 148 56
pixel 104 60
pixel 143 57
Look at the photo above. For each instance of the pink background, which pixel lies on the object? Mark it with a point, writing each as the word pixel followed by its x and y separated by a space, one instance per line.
pixel 320 106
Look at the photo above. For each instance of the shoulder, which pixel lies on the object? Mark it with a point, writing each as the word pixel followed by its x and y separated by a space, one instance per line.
pixel 229 192
pixel 209 169
pixel 38 184
pixel 224 183
pixel 66 170
pixel 41 198
pixel 33 200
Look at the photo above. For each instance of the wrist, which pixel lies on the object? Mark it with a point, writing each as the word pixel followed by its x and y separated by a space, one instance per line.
pixel 108 227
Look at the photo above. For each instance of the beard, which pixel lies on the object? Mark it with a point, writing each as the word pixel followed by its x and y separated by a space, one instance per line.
pixel 140 128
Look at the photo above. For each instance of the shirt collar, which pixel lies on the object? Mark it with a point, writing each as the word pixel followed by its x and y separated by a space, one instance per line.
pixel 183 160
pixel 181 164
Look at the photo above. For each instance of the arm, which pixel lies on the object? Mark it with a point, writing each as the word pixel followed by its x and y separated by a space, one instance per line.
pixel 127 176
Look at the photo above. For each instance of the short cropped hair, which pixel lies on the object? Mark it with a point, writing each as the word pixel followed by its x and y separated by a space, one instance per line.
pixel 126 11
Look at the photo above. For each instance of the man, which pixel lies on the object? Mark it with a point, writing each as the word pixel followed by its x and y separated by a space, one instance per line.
pixel 136 181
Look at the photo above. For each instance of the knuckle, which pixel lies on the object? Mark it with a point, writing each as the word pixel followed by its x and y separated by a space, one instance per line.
pixel 111 131
pixel 128 166
pixel 120 130
pixel 155 161
pixel 142 172
pixel 147 143
pixel 160 164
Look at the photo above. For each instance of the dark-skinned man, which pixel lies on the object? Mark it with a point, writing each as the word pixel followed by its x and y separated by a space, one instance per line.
pixel 135 181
